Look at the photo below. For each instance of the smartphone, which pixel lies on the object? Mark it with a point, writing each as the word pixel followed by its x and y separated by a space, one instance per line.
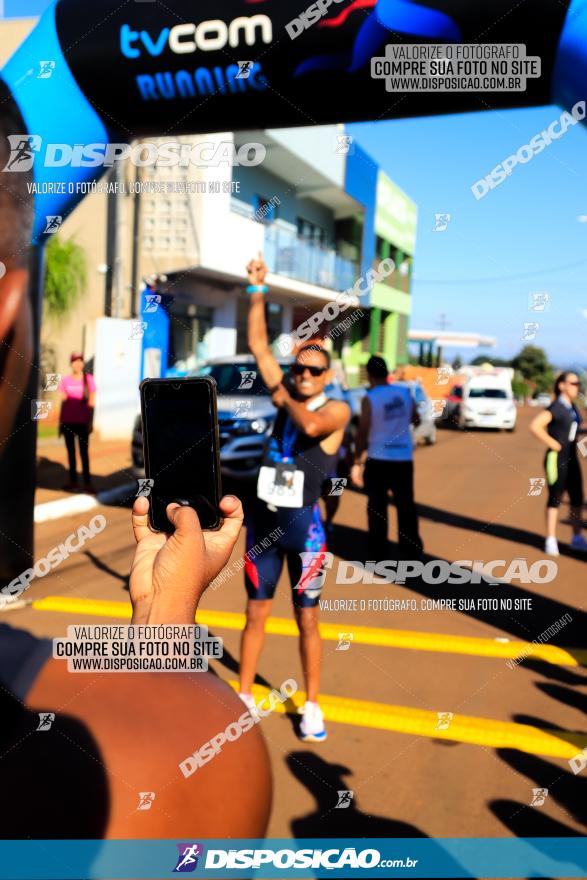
pixel 181 448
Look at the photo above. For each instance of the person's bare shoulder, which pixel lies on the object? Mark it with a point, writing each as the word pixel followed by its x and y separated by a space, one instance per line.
pixel 340 410
pixel 144 725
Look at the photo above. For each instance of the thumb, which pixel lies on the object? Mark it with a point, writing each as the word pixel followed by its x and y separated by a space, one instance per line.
pixel 185 520
pixel 220 543
pixel 234 515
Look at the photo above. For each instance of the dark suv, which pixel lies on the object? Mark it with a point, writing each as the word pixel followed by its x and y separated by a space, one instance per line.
pixel 245 414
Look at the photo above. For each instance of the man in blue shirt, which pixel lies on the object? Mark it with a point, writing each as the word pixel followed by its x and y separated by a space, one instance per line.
pixel 387 414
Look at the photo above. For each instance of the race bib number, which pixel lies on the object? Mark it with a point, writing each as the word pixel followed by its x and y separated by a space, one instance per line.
pixel 573 431
pixel 282 486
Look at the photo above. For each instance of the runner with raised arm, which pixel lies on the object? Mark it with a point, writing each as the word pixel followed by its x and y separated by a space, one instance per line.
pixel 301 454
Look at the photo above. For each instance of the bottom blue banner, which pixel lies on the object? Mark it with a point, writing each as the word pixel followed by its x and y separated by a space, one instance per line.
pixel 361 857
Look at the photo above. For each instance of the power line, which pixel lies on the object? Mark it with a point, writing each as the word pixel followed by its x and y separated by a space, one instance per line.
pixel 494 278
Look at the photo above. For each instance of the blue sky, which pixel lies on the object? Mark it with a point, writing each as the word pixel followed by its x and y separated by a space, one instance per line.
pixel 22 8
pixel 520 235
pixel 525 227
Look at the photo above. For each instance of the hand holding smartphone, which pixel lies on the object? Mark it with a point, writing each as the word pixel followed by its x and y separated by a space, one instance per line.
pixel 181 448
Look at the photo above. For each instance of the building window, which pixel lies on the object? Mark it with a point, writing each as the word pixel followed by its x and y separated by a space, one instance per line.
pixel 363 331
pixel 383 249
pixel 380 340
pixel 188 330
pixel 402 339
pixel 405 273
pixel 264 210
pixel 401 276
pixel 311 232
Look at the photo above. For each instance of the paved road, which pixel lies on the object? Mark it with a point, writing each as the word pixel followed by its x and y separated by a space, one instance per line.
pixel 512 730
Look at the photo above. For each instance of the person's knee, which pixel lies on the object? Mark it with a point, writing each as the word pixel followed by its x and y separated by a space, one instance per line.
pixel 307 620
pixel 257 614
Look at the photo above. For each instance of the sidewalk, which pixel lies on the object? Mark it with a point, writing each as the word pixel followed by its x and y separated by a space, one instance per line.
pixel 110 464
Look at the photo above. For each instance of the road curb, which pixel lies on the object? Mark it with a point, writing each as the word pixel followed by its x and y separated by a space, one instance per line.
pixel 73 504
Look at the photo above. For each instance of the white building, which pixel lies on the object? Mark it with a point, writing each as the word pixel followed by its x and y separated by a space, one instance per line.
pixel 292 207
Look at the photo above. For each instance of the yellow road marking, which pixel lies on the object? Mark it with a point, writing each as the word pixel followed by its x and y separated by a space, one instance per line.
pixel 365 713
pixel 362 635
pixel 422 722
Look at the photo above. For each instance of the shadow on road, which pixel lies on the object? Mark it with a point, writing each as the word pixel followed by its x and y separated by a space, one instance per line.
pixel 324 781
pixel 231 664
pixel 564 788
pixel 525 821
pixel 564 695
pixel 350 543
pixel 558 673
pixel 495 530
pixel 53 475
pixel 102 566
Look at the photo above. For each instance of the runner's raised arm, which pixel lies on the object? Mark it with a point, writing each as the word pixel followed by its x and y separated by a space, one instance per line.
pixel 257 337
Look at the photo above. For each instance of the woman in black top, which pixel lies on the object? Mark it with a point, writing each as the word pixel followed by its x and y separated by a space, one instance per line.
pixel 557 427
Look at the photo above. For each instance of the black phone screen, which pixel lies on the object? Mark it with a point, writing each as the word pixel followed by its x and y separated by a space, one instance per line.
pixel 181 448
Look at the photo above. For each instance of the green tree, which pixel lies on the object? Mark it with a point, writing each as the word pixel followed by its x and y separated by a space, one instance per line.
pixel 66 276
pixel 533 365
pixel 486 359
pixel 521 389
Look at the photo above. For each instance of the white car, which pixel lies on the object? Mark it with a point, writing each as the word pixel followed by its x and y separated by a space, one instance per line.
pixel 488 402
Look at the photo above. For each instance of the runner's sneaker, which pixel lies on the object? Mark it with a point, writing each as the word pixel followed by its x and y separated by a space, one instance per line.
pixel 312 723
pixel 249 701
pixel 551 547
pixel 579 543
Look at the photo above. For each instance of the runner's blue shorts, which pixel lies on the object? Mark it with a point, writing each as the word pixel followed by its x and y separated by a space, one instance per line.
pixel 292 535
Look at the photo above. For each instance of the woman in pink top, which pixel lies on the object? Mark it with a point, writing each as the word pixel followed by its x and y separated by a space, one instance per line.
pixel 78 392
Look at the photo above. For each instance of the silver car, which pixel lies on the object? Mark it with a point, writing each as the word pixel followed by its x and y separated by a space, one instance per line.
pixel 426 430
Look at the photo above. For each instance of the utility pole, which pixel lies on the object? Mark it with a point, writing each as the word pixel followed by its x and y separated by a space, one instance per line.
pixel 442 324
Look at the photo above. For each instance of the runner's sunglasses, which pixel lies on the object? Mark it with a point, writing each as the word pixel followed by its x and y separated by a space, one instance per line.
pixel 299 369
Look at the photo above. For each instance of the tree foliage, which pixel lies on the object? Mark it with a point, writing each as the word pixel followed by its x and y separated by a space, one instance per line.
pixel 488 359
pixel 533 365
pixel 66 276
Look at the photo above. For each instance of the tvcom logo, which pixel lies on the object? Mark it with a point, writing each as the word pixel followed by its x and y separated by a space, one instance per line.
pixel 207 36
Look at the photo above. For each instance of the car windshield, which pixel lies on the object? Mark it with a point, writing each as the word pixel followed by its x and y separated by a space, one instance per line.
pixel 495 393
pixel 235 378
